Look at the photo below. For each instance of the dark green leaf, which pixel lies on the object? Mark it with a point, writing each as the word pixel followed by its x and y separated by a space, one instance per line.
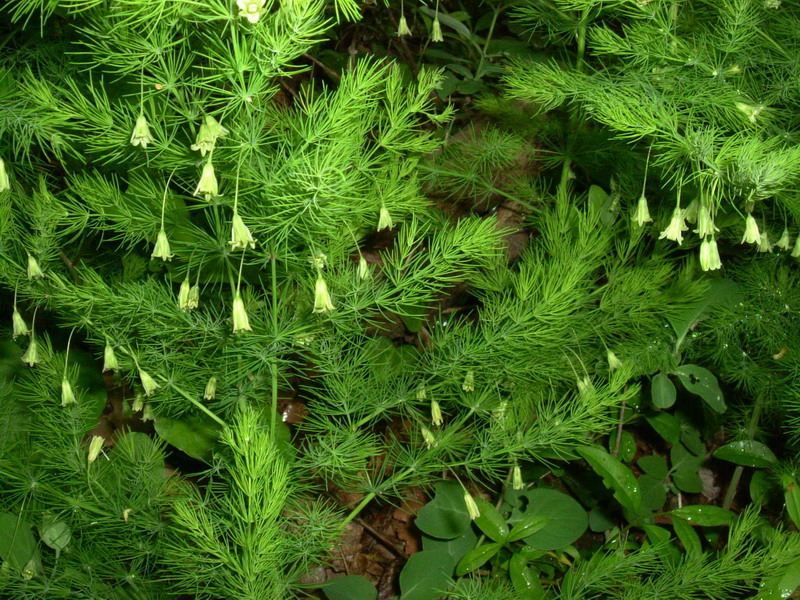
pixel 667 426
pixel 426 576
pixel 600 519
pixel 455 548
pixel 685 467
pixel 791 494
pixel 350 587
pixel 704 383
pixel 783 585
pixel 627 445
pixel 687 535
pixel 17 545
pixel 720 292
pixel 446 515
pixel 567 520
pixel 490 521
pixel 654 492
pixel 616 476
pixel 654 465
pixel 527 527
pixel 476 558
pixel 749 453
pixel 525 581
pixel 56 535
pixel 705 515
pixel 195 435
pixel 663 391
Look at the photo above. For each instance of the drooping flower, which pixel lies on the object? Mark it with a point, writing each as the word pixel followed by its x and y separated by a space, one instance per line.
pixel 642 213
pixel 751 233
pixel 516 478
pixel 193 301
pixel 251 9
pixel 436 413
pixel 141 132
pixel 784 243
pixel 31 356
pixel 322 299
pixel 240 235
pixel 67 395
pixel 613 362
pixel 240 320
pixel 34 270
pixel 211 389
pixel 363 268
pixel 95 446
pixel 690 212
pixel 18 323
pixel 428 437
pixel 149 384
pixel 403 29
pixel 705 224
pixel 147 413
pixel 162 249
pixel 5 183
pixel 436 31
pixel 469 382
pixel 472 509
pixel 208 185
pixel 709 255
pixel 676 227
pixel 384 219
pixel 764 244
pixel 183 294
pixel 210 131
pixel 110 362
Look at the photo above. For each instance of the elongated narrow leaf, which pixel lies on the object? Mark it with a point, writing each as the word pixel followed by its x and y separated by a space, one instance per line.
pixel 748 453
pixel 705 515
pixel 490 521
pixel 616 476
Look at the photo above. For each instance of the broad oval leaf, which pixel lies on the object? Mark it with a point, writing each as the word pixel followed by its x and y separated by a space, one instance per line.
pixel 791 495
pixel 705 515
pixel 426 576
pixel 662 391
pixel 446 515
pixel 490 521
pixel 350 587
pixel 566 518
pixel 687 535
pixel 525 581
pixel 704 383
pixel 748 453
pixel 56 535
pixel 477 557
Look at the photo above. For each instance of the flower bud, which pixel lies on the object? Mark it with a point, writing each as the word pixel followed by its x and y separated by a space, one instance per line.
pixel 162 249
pixel 95 447
pixel 147 413
pixel 472 508
pixel 110 362
pixel 251 9
pixel 193 301
pixel 208 185
pixel 384 219
pixel 240 320
pixel 211 389
pixel 430 439
pixel 183 294
pixel 751 233
pixel 363 268
pixel 138 403
pixel 5 183
pixel 322 299
pixel 148 383
pixel 705 224
pixel 469 382
pixel 584 385
pixel 690 212
pixel 436 413
pixel 422 394
pixel 403 29
pixel 18 323
pixel 67 395
pixel 436 31
pixel 240 234
pixel 207 137
pixel 34 270
pixel 516 478
pixel 141 132
pixel 676 227
pixel 642 214
pixel 613 362
pixel 784 243
pixel 709 255
pixel 31 355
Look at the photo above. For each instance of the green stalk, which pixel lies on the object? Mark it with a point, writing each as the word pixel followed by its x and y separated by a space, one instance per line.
pixel 274 369
pixel 733 486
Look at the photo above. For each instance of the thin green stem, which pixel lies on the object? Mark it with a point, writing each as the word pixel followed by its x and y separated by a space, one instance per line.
pixel 196 402
pixel 274 369
pixel 733 486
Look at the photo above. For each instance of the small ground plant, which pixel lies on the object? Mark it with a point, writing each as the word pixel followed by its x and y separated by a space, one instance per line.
pixel 327 299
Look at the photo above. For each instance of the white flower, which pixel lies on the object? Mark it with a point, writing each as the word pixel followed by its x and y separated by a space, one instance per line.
pixel 705 224
pixel 763 243
pixel 251 9
pixel 18 324
pixel 110 362
pixel 31 356
pixel 162 249
pixel 240 320
pixel 183 294
pixel 363 268
pixel 149 384
pixel 208 185
pixel 207 137
pixel 709 255
pixel 613 362
pixel 34 270
pixel 676 227
pixel 403 29
pixel 436 413
pixel 642 213
pixel 240 234
pixel 193 301
pixel 429 438
pixel 516 478
pixel 751 233
pixel 322 299
pixel 95 446
pixel 690 213
pixel 384 219
pixel 141 132
pixel 436 32
pixel 67 395
pixel 784 243
pixel 469 382
pixel 211 389
pixel 472 509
